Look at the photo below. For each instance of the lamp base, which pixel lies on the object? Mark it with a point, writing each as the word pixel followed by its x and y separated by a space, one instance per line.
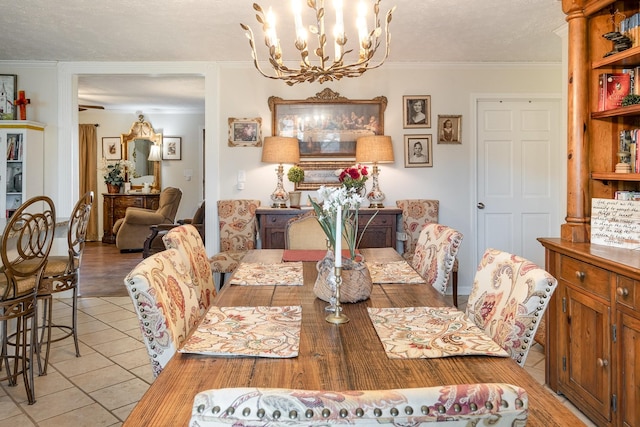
pixel 337 319
pixel 279 205
pixel 376 205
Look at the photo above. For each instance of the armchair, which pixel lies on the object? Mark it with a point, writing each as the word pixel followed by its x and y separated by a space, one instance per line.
pixel 154 243
pixel 132 230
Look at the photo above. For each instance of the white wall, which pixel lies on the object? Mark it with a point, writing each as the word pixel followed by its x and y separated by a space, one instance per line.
pixel 237 90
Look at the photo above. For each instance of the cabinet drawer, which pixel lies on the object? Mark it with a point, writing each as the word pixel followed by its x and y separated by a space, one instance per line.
pixel 126 202
pixel 628 292
pixel 585 276
pixel 378 220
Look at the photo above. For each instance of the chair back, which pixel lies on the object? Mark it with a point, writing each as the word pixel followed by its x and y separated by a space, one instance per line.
pixel 305 232
pixel 26 242
pixel 495 404
pixel 238 225
pixel 415 214
pixel 187 241
pixel 168 203
pixel 77 230
pixel 166 302
pixel 435 254
pixel 508 299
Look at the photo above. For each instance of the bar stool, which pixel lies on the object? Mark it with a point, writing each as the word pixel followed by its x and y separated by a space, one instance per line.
pixel 26 242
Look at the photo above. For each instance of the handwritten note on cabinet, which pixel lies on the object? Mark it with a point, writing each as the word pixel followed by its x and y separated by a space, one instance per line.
pixel 615 223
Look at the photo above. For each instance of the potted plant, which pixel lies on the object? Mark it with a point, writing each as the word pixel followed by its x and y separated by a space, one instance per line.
pixel 295 175
pixel 115 174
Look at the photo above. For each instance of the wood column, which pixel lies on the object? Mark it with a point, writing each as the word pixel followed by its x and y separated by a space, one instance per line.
pixel 576 228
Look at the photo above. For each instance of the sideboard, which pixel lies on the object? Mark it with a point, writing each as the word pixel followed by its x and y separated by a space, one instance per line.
pixel 381 232
pixel 115 206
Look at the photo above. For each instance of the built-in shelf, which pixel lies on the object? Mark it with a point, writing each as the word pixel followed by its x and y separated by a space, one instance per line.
pixel 626 58
pixel 612 176
pixel 631 110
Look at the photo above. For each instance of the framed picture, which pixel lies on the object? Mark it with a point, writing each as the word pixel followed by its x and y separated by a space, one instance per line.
pixel 245 132
pixel 418 152
pixel 8 95
pixel 171 148
pixel 416 111
pixel 317 174
pixel 111 148
pixel 327 125
pixel 449 129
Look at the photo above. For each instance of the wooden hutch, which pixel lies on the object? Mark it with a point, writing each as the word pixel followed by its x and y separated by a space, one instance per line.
pixel 593 320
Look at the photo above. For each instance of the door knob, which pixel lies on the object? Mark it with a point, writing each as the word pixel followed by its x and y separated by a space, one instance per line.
pixel 480 205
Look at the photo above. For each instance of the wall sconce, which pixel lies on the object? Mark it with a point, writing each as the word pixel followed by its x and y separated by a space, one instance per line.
pixel 374 149
pixel 280 149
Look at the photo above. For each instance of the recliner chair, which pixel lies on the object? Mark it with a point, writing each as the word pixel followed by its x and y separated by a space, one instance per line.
pixel 132 230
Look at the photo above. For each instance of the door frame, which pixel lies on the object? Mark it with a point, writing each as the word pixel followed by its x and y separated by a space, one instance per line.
pixel 473 159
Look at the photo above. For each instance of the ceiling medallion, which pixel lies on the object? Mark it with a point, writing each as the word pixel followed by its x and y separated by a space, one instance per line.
pixel 320 68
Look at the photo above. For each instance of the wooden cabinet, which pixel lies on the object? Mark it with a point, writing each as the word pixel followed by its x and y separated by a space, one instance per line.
pixel 114 208
pixel 593 323
pixel 22 165
pixel 381 232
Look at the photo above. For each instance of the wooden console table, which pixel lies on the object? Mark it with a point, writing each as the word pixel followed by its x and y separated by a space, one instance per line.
pixel 115 206
pixel 381 232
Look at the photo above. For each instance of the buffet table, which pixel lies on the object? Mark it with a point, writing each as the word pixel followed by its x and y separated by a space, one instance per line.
pixel 331 357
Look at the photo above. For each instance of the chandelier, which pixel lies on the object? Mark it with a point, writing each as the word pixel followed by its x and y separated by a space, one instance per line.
pixel 321 68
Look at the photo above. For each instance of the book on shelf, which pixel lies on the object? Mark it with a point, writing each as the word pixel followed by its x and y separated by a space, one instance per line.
pixel 612 87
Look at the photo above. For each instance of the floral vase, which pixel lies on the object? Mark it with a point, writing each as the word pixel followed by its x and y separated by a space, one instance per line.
pixel 356 279
pixel 113 189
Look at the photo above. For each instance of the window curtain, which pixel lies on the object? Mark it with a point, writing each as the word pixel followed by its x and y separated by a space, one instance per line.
pixel 88 141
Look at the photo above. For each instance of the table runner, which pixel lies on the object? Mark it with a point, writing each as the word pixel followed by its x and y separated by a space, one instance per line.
pixel 247 331
pixel 258 274
pixel 430 332
pixel 393 272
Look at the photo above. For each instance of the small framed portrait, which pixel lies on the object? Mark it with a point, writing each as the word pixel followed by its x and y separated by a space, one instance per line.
pixel 171 148
pixel 8 82
pixel 449 129
pixel 111 148
pixel 416 111
pixel 245 132
pixel 418 152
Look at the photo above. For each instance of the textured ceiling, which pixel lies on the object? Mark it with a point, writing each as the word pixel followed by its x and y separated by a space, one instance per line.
pixel 209 30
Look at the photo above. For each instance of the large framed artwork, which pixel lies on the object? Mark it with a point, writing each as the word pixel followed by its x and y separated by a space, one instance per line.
pixel 327 125
pixel 8 95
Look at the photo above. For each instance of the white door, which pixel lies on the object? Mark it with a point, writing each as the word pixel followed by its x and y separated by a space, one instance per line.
pixel 518 175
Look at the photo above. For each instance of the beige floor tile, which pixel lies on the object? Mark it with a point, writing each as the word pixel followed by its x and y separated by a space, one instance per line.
pixel 101 378
pixel 8 408
pixel 88 416
pixel 56 404
pixel 122 345
pixel 115 316
pixel 133 359
pixel 64 350
pixel 91 327
pixel 123 413
pixel 144 372
pixel 125 325
pixel 92 302
pixel 100 309
pixel 81 365
pixel 122 394
pixel 101 337
pixel 18 420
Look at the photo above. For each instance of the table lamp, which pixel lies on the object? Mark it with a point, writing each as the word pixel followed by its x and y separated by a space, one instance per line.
pixel 280 149
pixel 374 149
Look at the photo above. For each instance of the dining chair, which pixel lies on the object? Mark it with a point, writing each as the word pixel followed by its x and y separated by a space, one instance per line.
pixel 305 232
pixel 26 242
pixel 61 274
pixel 435 254
pixel 416 213
pixel 187 241
pixel 508 298
pixel 238 229
pixel 165 300
pixel 495 404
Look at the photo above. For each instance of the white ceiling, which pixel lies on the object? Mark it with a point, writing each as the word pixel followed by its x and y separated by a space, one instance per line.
pixel 209 30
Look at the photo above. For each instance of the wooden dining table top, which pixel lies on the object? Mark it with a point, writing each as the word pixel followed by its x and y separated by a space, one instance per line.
pixel 331 357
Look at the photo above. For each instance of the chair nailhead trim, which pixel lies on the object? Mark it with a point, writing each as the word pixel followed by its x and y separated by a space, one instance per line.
pixel 344 413
pixel 504 403
pixel 488 405
pixel 519 403
pixel 308 413
pixel 408 410
pixel 441 409
pixel 394 412
pixel 326 413
pixel 293 414
pixel 215 409
pixel 457 407
pixel 359 412
pixel 230 410
pixel 200 408
pixel 424 409
pixel 276 415
pixel 246 411
pixel 377 412
pixel 260 413
pixel 473 407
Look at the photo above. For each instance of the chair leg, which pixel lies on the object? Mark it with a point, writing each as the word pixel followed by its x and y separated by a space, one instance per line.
pixel 454 287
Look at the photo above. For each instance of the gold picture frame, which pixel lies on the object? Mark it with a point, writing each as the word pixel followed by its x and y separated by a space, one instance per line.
pixel 327 125
pixel 418 151
pixel 245 132
pixel 317 174
pixel 416 111
pixel 449 129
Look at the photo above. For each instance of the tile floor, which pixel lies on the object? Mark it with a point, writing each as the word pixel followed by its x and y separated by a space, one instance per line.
pixel 101 387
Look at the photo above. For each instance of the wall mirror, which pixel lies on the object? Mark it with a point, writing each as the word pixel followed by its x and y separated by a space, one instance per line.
pixel 136 147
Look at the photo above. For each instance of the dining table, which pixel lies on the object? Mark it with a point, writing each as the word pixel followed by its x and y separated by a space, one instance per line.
pixel 337 357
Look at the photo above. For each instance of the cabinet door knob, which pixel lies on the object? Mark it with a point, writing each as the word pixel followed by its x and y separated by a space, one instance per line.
pixel 602 362
pixel 580 275
pixel 623 292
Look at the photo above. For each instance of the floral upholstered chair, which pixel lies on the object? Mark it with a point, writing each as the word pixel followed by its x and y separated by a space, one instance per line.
pixel 436 253
pixel 508 299
pixel 416 213
pixel 238 227
pixel 166 302
pixel 494 404
pixel 187 241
